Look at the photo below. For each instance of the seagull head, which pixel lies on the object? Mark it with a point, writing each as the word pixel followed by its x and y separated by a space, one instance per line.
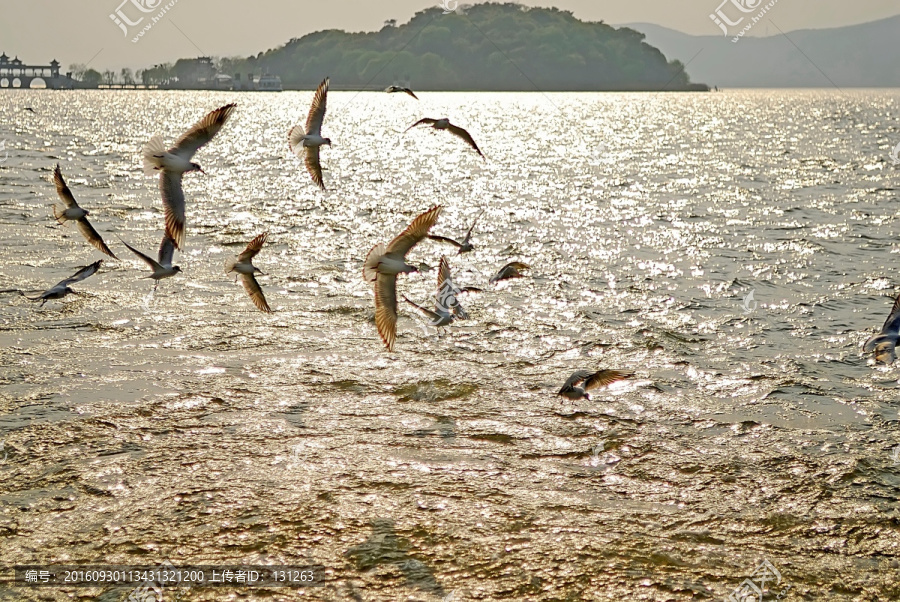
pixel 176 268
pixel 196 167
pixel 327 141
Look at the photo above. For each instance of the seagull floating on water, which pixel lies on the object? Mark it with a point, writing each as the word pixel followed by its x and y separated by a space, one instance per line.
pixel 590 380
pixel 444 124
pixel 72 212
pixel 382 265
pixel 62 288
pixel 883 343
pixel 393 89
pixel 176 161
pixel 465 246
pixel 162 268
pixel 447 306
pixel 512 269
pixel 243 265
pixel 305 144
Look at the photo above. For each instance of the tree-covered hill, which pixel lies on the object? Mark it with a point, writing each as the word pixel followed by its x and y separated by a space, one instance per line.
pixel 480 47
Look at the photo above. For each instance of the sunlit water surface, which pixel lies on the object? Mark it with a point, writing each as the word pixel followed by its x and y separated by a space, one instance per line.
pixel 187 426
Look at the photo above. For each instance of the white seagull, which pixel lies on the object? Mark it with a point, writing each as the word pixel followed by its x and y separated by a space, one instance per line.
pixel 71 211
pixel 243 265
pixel 444 124
pixel 62 288
pixel 176 161
pixel 883 343
pixel 447 306
pixel 590 380
pixel 382 265
pixel 162 268
pixel 305 143
pixel 465 246
pixel 393 89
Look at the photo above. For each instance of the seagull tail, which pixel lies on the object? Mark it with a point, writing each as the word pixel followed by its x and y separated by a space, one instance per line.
pixel 60 218
pixel 370 267
pixel 151 152
pixel 295 139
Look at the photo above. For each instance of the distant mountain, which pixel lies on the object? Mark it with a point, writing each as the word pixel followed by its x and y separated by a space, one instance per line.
pixel 866 55
pixel 482 47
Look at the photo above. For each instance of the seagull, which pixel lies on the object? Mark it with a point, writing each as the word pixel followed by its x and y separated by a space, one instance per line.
pixel 444 124
pixel 162 268
pixel 243 265
pixel 465 246
pixel 510 270
pixel 306 144
pixel 62 288
pixel 883 343
pixel 571 390
pixel 384 263
pixel 176 161
pixel 28 109
pixel 392 89
pixel 447 307
pixel 73 212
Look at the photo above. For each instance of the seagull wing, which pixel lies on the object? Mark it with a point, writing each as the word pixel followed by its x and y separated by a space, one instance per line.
pixel 166 251
pixel 173 201
pixel 81 274
pixel 92 237
pixel 605 377
pixel 256 295
pixel 410 92
pixel 146 259
pixel 434 317
pixel 576 379
pixel 254 247
pixel 443 275
pixel 461 133
pixel 892 324
pixel 202 132
pixel 472 227
pixel 313 166
pixel 426 120
pixel 445 239
pixel 386 308
pixel 416 231
pixel 317 110
pixel 62 189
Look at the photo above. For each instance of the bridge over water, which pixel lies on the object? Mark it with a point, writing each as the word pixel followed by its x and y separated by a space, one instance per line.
pixel 16 74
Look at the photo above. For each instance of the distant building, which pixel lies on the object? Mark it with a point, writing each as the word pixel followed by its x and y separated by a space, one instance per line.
pixel 16 74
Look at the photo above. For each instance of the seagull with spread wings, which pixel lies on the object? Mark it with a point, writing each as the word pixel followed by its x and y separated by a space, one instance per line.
pixel 72 212
pixel 582 381
pixel 394 89
pixel 883 343
pixel 465 246
pixel 444 124
pixel 62 288
pixel 382 265
pixel 173 163
pixel 305 143
pixel 243 265
pixel 447 306
pixel 162 267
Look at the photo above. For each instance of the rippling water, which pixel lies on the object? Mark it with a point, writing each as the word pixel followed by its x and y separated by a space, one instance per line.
pixel 187 426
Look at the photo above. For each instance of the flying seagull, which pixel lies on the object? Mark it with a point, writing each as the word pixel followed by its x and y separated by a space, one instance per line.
pixel 305 144
pixel 71 211
pixel 29 109
pixel 512 269
pixel 162 268
pixel 444 124
pixel 392 89
pixel 243 265
pixel 62 288
pixel 883 343
pixel 176 161
pixel 447 306
pixel 382 265
pixel 587 381
pixel 465 246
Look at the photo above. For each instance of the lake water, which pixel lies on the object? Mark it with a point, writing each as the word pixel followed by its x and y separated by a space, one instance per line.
pixel 187 426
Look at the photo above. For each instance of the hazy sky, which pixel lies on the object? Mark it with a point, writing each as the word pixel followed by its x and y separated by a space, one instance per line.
pixel 74 32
